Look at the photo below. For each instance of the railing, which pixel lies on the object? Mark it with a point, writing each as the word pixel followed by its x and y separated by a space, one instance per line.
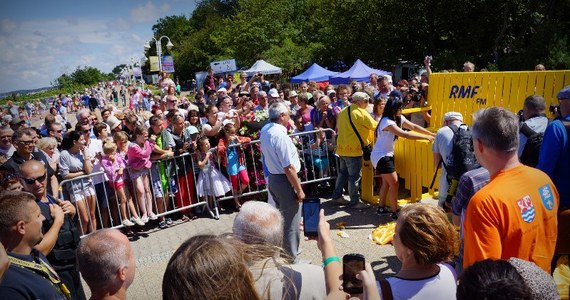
pixel 172 184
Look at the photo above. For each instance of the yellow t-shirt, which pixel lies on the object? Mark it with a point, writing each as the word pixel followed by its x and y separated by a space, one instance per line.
pixel 515 215
pixel 347 142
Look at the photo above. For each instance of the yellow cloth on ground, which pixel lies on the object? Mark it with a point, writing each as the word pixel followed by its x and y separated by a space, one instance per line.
pixel 384 234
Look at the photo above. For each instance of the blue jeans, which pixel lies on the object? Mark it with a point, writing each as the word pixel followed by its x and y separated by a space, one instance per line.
pixel 348 170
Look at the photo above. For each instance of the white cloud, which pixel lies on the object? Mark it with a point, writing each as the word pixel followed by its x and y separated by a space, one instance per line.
pixel 39 51
pixel 118 24
pixel 144 13
pixel 7 27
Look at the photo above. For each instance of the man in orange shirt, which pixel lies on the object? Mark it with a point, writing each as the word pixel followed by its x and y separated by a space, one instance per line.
pixel 515 214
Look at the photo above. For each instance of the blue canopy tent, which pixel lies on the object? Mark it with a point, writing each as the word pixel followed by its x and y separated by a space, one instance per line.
pixel 359 72
pixel 315 73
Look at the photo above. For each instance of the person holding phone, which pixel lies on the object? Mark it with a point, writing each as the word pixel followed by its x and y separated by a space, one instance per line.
pixel 334 268
pixel 281 158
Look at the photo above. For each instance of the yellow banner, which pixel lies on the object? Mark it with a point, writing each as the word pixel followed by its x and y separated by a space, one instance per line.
pixel 154 64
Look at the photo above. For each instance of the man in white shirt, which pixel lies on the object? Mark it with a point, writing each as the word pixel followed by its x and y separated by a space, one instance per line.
pixel 282 161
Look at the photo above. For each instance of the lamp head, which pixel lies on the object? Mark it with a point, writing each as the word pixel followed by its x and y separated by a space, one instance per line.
pixel 169 45
pixel 146 46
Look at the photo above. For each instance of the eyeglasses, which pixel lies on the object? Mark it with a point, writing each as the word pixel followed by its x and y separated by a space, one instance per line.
pixel 33 180
pixel 27 143
pixel 86 131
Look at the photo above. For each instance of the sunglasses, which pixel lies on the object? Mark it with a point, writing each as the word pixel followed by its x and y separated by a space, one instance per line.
pixel 33 180
pixel 27 143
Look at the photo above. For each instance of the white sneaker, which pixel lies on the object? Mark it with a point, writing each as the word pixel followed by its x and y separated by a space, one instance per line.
pixel 128 223
pixel 138 221
pixel 153 216
pixel 144 220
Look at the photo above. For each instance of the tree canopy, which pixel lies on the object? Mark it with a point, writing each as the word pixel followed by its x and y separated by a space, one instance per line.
pixel 504 35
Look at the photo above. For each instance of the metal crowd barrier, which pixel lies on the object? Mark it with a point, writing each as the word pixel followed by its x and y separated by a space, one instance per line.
pixel 173 182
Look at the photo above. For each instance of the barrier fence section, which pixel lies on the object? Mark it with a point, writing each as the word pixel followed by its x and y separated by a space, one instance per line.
pixel 466 93
pixel 180 184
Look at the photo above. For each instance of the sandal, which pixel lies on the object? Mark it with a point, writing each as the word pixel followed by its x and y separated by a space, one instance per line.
pixel 382 210
pixel 185 218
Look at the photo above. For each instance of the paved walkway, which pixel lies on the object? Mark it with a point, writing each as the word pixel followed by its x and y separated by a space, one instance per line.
pixel 154 248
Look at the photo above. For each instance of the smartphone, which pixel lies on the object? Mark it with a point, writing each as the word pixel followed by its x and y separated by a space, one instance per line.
pixel 352 264
pixel 311 209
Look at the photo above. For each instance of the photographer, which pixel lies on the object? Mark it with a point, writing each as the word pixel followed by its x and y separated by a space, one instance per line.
pixel 533 122
pixel 264 85
pixel 415 97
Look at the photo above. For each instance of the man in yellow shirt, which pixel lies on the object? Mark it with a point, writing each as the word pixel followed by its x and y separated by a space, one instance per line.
pixel 349 148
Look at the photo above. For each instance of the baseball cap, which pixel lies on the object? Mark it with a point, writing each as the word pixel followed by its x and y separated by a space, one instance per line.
pixel 273 93
pixel 452 115
pixel 564 93
pixel 329 92
pixel 192 129
pixel 222 89
pixel 292 94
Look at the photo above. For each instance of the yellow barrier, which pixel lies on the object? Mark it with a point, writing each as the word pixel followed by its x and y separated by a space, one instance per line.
pixel 464 93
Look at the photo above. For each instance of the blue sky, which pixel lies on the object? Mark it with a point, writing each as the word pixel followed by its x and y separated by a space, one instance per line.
pixel 40 40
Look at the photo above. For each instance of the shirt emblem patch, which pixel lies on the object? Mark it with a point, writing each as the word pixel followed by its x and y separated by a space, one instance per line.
pixel 546 196
pixel 527 208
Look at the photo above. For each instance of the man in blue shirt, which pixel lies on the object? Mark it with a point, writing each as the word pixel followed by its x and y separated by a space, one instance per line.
pixel 554 160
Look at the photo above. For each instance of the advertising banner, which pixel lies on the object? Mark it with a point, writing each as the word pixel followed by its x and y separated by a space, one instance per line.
pixel 168 64
pixel 224 66
pixel 154 64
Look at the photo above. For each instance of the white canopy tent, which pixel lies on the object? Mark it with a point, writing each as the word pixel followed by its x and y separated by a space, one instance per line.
pixel 263 67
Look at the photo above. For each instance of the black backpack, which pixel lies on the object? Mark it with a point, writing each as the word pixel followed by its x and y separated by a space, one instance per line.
pixel 462 156
pixel 531 149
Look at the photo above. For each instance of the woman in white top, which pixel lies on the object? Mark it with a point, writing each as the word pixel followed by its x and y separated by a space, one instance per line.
pixel 423 241
pixel 382 156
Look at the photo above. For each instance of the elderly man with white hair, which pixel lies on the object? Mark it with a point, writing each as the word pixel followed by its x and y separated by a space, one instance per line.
pixel 282 161
pixel 262 224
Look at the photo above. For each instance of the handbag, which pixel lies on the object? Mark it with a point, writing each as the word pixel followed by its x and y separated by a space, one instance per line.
pixel 366 149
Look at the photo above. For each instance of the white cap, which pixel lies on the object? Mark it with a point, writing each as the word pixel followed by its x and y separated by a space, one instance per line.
pixel 273 93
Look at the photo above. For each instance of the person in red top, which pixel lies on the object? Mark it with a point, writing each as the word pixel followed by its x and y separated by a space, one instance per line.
pixel 233 159
pixel 515 215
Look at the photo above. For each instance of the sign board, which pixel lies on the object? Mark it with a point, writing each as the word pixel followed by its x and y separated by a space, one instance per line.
pixel 154 64
pixel 168 64
pixel 224 66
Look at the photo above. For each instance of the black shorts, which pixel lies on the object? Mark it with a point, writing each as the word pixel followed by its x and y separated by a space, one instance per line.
pixel 386 165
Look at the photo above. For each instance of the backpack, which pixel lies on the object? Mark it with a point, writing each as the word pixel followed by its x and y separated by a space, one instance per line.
pixel 531 149
pixel 462 157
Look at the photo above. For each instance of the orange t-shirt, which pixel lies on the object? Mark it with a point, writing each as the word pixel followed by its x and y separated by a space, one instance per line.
pixel 513 216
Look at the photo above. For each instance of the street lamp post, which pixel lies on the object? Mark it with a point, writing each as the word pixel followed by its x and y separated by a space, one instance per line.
pixel 158 44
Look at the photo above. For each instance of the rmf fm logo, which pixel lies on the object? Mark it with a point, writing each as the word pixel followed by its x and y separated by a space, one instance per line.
pixel 466 91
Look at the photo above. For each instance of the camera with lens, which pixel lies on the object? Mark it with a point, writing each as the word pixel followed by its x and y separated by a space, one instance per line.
pixel 520 115
pixel 414 93
pixel 554 109
pixel 259 74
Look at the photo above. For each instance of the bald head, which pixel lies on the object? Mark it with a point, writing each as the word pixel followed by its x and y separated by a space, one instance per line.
pixel 109 252
pixel 34 177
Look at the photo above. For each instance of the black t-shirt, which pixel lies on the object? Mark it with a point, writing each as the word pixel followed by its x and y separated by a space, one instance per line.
pixel 62 256
pixel 22 283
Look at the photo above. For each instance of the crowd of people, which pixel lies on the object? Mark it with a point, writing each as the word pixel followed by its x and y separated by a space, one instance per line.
pixel 134 164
